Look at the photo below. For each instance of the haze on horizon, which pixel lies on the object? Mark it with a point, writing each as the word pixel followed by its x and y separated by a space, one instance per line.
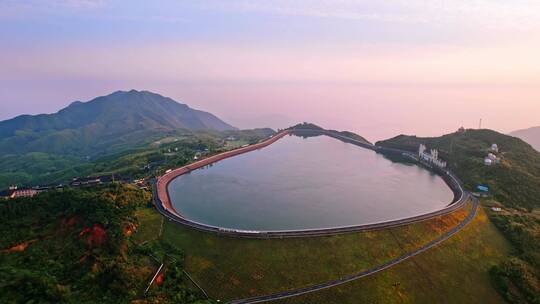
pixel 379 68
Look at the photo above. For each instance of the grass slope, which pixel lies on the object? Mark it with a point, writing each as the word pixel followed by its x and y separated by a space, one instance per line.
pixel 230 268
pixel 515 186
pixel 457 271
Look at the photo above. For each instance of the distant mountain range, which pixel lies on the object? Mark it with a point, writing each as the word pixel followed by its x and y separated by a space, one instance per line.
pixel 99 125
pixel 531 136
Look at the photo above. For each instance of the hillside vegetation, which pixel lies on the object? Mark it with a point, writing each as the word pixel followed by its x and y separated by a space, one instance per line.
pixel 75 247
pixel 171 149
pixel 514 184
pixel 455 272
pixel 102 125
pixel 305 126
pixel 84 137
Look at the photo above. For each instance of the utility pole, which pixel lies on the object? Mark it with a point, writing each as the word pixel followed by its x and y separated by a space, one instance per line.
pixel 480 124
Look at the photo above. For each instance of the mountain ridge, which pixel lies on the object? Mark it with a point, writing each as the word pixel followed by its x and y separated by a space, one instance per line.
pixel 82 127
pixel 530 135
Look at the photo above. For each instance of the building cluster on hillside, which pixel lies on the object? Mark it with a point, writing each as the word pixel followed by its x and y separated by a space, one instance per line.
pixel 141 184
pixel 491 158
pixel 431 158
pixel 15 192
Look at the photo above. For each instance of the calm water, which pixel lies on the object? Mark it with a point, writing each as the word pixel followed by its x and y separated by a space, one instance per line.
pixel 297 183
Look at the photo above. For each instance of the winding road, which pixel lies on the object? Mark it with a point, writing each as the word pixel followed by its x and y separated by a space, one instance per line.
pixel 461 198
pixel 340 281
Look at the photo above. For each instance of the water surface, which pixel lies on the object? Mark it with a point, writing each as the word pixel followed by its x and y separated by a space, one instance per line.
pixel 297 183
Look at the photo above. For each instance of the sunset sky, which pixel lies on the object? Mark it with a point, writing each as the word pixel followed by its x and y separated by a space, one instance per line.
pixel 379 68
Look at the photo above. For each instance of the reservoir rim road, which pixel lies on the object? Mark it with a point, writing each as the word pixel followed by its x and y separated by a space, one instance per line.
pixel 164 205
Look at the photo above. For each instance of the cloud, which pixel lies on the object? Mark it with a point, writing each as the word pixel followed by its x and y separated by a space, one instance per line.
pixel 77 3
pixel 346 10
pixel 14 8
pixel 209 63
pixel 485 14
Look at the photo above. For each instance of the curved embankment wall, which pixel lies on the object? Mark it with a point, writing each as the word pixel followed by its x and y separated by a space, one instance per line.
pixel 164 205
pixel 164 181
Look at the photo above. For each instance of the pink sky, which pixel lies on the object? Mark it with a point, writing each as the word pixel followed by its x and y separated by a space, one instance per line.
pixel 375 67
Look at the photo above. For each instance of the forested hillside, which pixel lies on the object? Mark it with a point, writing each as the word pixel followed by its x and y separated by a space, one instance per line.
pixel 515 182
pixel 167 150
pixel 76 246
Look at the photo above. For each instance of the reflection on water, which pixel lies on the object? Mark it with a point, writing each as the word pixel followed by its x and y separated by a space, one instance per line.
pixel 306 183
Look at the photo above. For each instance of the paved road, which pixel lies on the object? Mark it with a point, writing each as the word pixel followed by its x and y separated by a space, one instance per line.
pixel 461 198
pixel 340 281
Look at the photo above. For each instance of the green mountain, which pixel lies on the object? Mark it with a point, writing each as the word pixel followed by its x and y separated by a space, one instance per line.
pixel 103 125
pixel 515 181
pixel 305 126
pixel 531 135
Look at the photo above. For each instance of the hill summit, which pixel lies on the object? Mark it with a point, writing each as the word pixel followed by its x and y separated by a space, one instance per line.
pixel 88 127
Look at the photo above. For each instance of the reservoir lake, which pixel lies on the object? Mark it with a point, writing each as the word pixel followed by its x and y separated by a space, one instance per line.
pixel 306 183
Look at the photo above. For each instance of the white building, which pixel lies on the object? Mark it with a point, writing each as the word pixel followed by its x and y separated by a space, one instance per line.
pixel 432 157
pixel 494 148
pixel 491 159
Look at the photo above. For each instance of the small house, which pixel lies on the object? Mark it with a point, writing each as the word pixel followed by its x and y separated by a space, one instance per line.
pixel 492 156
